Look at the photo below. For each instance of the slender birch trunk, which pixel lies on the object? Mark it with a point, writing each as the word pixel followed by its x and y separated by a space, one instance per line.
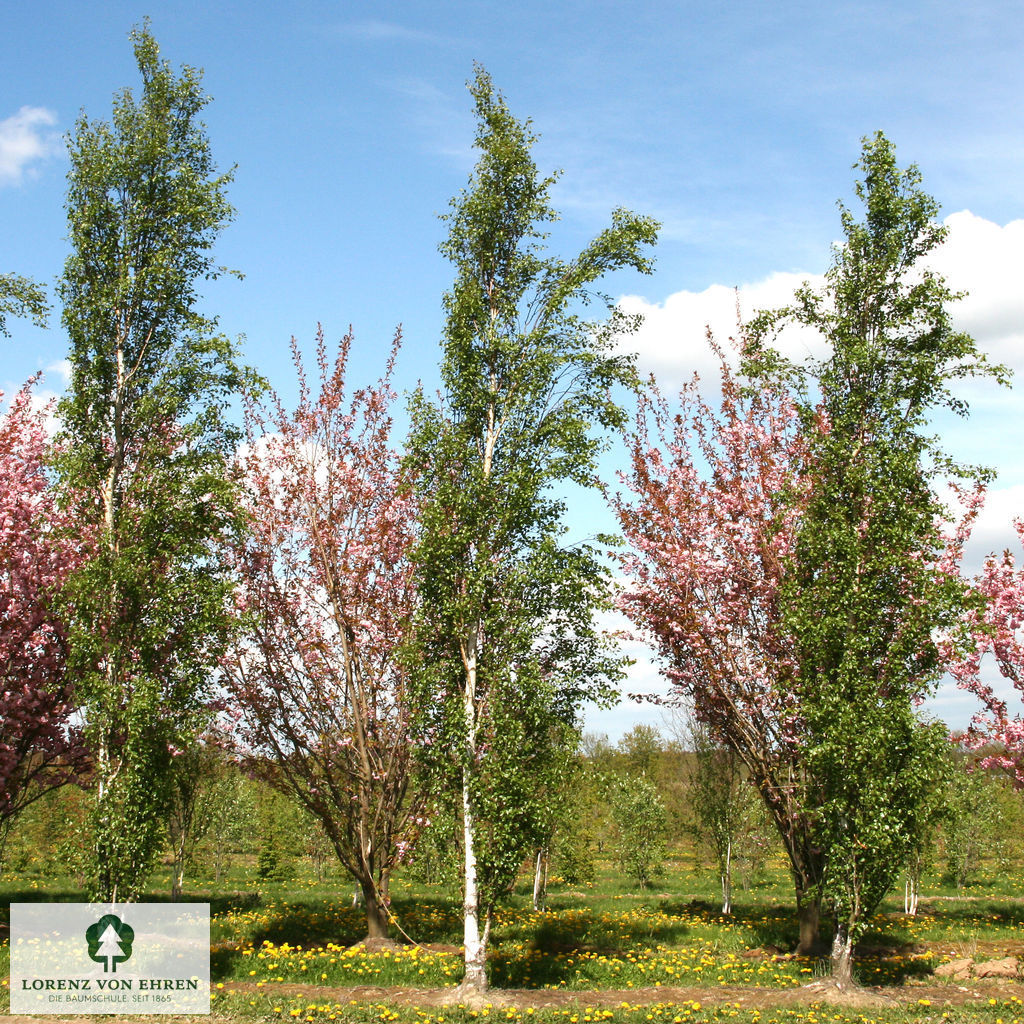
pixel 727 880
pixel 540 879
pixel 475 948
pixel 475 977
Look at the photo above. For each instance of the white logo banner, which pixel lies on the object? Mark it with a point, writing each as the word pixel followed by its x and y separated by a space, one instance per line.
pixel 96 958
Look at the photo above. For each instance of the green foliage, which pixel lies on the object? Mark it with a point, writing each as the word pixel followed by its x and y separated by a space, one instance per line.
pixel 867 598
pixel 202 780
pixel 574 856
pixel 507 648
pixel 641 828
pixel 726 817
pixel 641 750
pixel 579 820
pixel 973 825
pixel 438 851
pixel 232 801
pixel 72 814
pixel 145 450
pixel 280 836
pixel 21 296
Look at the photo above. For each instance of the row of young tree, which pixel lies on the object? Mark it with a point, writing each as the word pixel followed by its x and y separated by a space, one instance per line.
pixel 374 628
pixel 652 810
pixel 695 797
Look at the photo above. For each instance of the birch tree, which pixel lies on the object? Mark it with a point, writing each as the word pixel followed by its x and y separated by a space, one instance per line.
pixel 146 450
pixel 872 586
pixel 505 631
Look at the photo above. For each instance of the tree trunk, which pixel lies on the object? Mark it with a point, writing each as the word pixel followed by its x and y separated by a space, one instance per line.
pixel 808 913
pixel 376 911
pixel 475 977
pixel 178 867
pixel 842 956
pixel 177 880
pixel 540 879
pixel 475 945
pixel 911 895
pixel 727 880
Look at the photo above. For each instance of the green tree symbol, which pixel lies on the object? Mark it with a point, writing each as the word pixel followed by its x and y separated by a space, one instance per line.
pixel 110 941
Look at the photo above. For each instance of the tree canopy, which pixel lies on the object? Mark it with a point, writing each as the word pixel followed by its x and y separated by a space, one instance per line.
pixel 505 628
pixel 145 448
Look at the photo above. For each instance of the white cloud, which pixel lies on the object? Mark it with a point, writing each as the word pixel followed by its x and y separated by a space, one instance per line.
pixel 993 531
pixel 671 342
pixel 45 398
pixel 62 370
pixel 987 261
pixel 978 257
pixel 24 138
pixel 42 399
pixel 439 118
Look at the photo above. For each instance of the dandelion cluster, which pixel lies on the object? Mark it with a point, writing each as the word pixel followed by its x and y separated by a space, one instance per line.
pixel 335 965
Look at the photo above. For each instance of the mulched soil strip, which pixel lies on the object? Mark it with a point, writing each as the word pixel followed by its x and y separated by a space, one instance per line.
pixel 747 997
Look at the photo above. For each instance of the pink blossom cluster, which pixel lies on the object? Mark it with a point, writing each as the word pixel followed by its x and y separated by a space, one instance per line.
pixel 996 628
pixel 38 748
pixel 325 587
pixel 716 500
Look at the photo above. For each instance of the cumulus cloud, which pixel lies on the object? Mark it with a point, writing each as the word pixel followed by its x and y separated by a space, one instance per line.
pixel 44 396
pixel 993 531
pixel 671 342
pixel 985 260
pixel 25 138
pixel 978 256
pixel 62 370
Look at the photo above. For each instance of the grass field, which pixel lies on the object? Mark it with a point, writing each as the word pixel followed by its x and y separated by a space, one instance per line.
pixel 597 953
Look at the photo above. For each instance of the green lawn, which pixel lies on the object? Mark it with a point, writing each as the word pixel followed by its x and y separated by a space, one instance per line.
pixel 591 938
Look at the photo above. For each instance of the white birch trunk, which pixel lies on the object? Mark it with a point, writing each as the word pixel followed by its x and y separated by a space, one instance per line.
pixel 911 895
pixel 476 950
pixel 727 880
pixel 842 956
pixel 475 977
pixel 540 879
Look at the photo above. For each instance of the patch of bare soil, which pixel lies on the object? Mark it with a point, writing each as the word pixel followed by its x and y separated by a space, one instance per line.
pixel 376 945
pixel 746 996
pixel 763 999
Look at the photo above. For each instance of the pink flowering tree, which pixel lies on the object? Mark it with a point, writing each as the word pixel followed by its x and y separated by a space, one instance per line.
pixel 710 518
pixel 717 503
pixel 39 749
pixel 996 624
pixel 820 583
pixel 325 596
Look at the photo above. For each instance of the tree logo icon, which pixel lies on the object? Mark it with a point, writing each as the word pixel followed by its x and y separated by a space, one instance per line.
pixel 110 942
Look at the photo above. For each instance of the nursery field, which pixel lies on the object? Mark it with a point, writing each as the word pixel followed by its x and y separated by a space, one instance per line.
pixel 597 953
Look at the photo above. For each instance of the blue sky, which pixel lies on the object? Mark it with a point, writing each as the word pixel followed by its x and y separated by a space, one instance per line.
pixel 734 124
